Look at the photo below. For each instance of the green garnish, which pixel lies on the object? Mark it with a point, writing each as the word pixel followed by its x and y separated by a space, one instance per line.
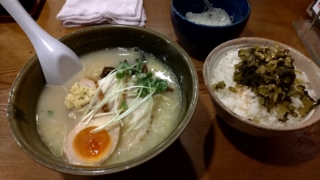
pixel 124 106
pixel 147 83
pixel 157 85
pixel 50 113
pixel 130 77
pixel 123 70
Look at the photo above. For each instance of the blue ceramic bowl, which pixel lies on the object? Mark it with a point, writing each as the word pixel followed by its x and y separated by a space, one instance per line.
pixel 200 39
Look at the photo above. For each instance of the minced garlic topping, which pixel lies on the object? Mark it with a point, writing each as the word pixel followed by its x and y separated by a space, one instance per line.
pixel 78 96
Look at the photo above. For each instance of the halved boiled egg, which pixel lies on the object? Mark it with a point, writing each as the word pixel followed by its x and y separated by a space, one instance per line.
pixel 83 147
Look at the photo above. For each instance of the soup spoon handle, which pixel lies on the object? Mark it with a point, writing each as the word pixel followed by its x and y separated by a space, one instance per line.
pixel 58 62
pixel 208 4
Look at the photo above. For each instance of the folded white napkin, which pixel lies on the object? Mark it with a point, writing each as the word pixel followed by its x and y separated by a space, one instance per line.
pixel 87 12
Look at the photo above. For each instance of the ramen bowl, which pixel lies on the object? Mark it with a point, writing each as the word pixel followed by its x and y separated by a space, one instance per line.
pixel 199 39
pixel 239 119
pixel 30 82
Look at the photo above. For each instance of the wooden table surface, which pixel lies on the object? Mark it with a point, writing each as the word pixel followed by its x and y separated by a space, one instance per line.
pixel 208 148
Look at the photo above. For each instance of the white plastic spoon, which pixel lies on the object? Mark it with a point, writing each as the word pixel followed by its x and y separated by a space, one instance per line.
pixel 59 63
pixel 208 4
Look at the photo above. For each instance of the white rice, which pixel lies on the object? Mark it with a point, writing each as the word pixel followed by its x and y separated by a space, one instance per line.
pixel 211 17
pixel 245 102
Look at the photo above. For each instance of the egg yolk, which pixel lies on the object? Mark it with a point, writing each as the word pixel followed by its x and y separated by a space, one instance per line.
pixel 91 146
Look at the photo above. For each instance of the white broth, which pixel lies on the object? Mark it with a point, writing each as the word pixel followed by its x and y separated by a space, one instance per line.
pixel 55 120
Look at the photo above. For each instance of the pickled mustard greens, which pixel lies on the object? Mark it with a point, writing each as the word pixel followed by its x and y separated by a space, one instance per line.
pixel 269 72
pixel 219 85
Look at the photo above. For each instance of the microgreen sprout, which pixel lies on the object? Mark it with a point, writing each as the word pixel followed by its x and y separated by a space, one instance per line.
pixel 50 113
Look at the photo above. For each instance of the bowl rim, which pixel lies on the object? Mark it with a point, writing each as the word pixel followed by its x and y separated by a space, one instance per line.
pixel 249 40
pixel 93 171
pixel 245 18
